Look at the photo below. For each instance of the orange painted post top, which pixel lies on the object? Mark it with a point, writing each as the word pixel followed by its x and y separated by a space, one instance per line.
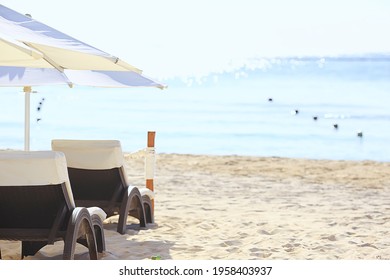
pixel 151 138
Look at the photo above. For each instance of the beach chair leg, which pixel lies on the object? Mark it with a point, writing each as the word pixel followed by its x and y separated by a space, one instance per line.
pixel 131 205
pixel 30 248
pixel 148 208
pixel 98 229
pixel 80 227
pixel 99 234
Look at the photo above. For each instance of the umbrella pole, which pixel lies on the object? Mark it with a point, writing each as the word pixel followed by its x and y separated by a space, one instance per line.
pixel 27 92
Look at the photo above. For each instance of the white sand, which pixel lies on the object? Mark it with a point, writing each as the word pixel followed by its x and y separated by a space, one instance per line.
pixel 230 207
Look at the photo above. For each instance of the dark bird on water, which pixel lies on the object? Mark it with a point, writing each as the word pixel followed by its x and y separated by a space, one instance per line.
pixel 336 126
pixel 315 118
pixel 295 112
pixel 40 104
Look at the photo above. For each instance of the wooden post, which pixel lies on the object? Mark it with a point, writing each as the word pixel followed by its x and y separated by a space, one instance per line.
pixel 151 138
pixel 149 181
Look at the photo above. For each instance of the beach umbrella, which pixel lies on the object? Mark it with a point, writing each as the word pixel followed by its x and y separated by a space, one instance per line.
pixel 32 53
pixel 56 49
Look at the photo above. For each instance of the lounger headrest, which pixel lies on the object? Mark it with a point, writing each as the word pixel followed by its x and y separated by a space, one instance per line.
pixel 91 154
pixel 35 168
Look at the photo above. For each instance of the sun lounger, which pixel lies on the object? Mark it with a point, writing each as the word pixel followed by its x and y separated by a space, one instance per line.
pixel 37 206
pixel 97 172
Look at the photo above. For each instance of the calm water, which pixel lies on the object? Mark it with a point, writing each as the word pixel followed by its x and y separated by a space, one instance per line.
pixel 226 113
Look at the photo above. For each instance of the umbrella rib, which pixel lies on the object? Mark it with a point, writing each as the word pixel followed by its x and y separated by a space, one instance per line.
pixel 48 59
pixel 127 66
pixel 51 62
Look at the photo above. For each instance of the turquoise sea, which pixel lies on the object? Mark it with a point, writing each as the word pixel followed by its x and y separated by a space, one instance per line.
pixel 246 111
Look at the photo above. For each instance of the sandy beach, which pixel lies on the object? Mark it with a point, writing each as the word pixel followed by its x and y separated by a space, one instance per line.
pixel 243 208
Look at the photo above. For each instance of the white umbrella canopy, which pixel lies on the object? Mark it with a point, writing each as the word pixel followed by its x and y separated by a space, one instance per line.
pixel 32 54
pixel 58 50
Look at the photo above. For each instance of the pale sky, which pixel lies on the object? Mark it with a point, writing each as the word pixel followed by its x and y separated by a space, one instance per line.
pixel 196 37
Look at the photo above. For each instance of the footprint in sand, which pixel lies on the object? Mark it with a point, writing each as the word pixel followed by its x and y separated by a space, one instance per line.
pixel 254 250
pixel 233 250
pixel 288 248
pixel 229 243
pixel 368 245
pixel 275 231
pixel 330 238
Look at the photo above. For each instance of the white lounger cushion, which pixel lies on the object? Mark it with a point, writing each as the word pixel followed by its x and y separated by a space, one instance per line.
pixel 90 154
pixel 20 168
